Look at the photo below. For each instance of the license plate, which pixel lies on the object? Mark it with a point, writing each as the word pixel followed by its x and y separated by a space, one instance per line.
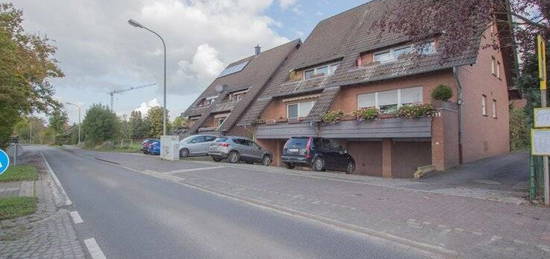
pixel 294 150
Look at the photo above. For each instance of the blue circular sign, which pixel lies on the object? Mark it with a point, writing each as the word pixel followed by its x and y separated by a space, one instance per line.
pixel 4 161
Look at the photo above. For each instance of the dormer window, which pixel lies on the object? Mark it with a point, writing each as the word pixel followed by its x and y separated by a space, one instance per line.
pixel 233 69
pixel 324 70
pixel 237 96
pixel 207 101
pixel 394 54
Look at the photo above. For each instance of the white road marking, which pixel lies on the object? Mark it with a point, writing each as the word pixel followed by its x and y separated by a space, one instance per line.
pixel 68 201
pixel 94 249
pixel 195 169
pixel 76 217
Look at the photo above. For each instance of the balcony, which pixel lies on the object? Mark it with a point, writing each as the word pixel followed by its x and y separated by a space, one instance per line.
pixel 385 128
pixel 285 130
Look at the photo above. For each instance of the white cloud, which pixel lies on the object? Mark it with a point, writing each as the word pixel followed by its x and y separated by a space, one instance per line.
pixel 99 51
pixel 145 106
pixel 286 3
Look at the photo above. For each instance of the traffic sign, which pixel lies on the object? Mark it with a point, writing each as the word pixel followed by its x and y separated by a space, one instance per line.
pixel 4 161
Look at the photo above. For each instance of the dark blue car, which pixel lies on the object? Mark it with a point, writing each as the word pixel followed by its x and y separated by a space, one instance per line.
pixel 154 148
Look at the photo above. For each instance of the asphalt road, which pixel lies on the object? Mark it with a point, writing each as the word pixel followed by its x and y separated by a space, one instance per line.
pixel 132 215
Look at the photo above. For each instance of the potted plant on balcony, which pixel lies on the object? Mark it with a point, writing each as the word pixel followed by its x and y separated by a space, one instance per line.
pixel 416 111
pixel 332 116
pixel 365 114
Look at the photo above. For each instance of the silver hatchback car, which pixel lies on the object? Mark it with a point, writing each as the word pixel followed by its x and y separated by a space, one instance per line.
pixel 236 149
pixel 196 145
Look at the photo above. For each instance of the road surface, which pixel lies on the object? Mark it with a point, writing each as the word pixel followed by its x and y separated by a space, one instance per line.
pixel 133 215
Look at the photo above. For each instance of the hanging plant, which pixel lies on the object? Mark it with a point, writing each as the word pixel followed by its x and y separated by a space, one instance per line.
pixel 369 113
pixel 332 116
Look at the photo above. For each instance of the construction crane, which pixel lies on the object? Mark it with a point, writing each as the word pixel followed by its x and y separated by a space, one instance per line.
pixel 112 93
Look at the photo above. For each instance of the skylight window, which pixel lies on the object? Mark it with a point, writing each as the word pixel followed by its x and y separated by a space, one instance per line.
pixel 233 69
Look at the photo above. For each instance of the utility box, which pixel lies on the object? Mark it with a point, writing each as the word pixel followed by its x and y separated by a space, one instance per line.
pixel 169 148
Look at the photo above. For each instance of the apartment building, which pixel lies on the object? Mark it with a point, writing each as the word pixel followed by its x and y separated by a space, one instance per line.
pixel 221 104
pixel 346 65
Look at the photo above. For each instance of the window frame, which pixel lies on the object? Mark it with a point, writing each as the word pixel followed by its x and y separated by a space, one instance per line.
pixel 314 70
pixel 399 97
pixel 494 106
pixel 493 65
pixel 298 109
pixel 419 48
pixel 484 105
pixel 498 70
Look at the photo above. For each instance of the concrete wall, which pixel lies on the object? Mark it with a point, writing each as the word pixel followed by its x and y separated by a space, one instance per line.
pixel 484 136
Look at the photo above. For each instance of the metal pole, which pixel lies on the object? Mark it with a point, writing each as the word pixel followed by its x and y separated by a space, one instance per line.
pixel 545 159
pixel 79 125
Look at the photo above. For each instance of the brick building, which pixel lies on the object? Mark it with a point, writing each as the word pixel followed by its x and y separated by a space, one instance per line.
pixel 347 65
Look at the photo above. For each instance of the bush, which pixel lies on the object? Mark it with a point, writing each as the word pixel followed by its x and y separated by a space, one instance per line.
pixel 332 116
pixel 369 113
pixel 442 93
pixel 519 129
pixel 416 111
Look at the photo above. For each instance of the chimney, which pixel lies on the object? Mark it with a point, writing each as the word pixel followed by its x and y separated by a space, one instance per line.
pixel 258 49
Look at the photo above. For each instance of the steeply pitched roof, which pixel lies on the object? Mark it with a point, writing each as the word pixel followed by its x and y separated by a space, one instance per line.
pixel 253 77
pixel 345 37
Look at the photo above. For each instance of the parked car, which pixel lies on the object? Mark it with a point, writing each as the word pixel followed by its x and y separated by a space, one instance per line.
pixel 318 153
pixel 236 149
pixel 196 145
pixel 145 145
pixel 154 148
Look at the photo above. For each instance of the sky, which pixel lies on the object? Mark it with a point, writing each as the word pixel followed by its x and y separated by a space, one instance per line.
pixel 99 51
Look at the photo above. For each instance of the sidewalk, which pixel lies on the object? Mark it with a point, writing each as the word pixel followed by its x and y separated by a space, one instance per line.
pixel 49 232
pixel 456 224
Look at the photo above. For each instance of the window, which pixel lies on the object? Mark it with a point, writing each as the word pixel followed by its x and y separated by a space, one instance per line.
pixel 394 54
pixel 498 69
pixel 390 101
pixel 494 108
pixel 237 96
pixel 233 69
pixel 484 105
pixel 220 121
pixel 208 100
pixel 299 110
pixel 493 65
pixel 324 70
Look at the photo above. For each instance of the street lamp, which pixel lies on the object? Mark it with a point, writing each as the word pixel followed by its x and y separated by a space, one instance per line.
pixel 79 123
pixel 138 25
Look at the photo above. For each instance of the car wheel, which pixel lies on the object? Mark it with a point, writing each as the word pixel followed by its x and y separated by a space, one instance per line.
pixel 289 165
pixel 350 168
pixel 184 153
pixel 217 159
pixel 266 160
pixel 233 157
pixel 318 164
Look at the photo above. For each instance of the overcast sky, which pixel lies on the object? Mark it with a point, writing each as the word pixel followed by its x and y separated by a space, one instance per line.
pixel 99 51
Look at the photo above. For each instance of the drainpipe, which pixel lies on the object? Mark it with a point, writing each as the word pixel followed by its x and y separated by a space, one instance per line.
pixel 459 102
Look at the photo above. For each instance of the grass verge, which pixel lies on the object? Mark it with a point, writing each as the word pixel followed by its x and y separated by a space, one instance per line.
pixel 19 173
pixel 13 207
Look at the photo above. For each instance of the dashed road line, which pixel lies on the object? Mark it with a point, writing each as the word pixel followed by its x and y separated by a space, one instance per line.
pixel 94 249
pixel 76 217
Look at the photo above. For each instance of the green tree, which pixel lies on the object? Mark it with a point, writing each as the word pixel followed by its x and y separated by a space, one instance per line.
pixel 26 67
pixel 58 121
pixel 138 127
pixel 99 125
pixel 179 122
pixel 154 121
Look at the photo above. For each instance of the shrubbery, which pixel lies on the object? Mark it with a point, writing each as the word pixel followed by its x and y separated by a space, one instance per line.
pixel 442 93
pixel 332 116
pixel 416 111
pixel 369 113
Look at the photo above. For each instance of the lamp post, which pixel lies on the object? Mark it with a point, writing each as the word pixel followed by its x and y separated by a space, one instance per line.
pixel 79 122
pixel 138 25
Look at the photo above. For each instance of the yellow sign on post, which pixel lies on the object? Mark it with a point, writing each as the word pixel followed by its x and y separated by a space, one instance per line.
pixel 542 61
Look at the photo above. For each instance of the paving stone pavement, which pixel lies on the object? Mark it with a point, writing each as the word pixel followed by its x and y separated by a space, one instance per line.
pixel 48 233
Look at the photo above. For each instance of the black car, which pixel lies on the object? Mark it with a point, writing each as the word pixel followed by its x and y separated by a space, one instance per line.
pixel 145 145
pixel 318 153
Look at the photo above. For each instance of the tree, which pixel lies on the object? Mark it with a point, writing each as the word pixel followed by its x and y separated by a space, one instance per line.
pixel 138 128
pixel 458 22
pixel 26 67
pixel 154 121
pixel 179 122
pixel 99 125
pixel 58 121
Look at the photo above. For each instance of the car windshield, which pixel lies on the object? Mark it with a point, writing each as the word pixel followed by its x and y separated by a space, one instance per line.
pixel 297 142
